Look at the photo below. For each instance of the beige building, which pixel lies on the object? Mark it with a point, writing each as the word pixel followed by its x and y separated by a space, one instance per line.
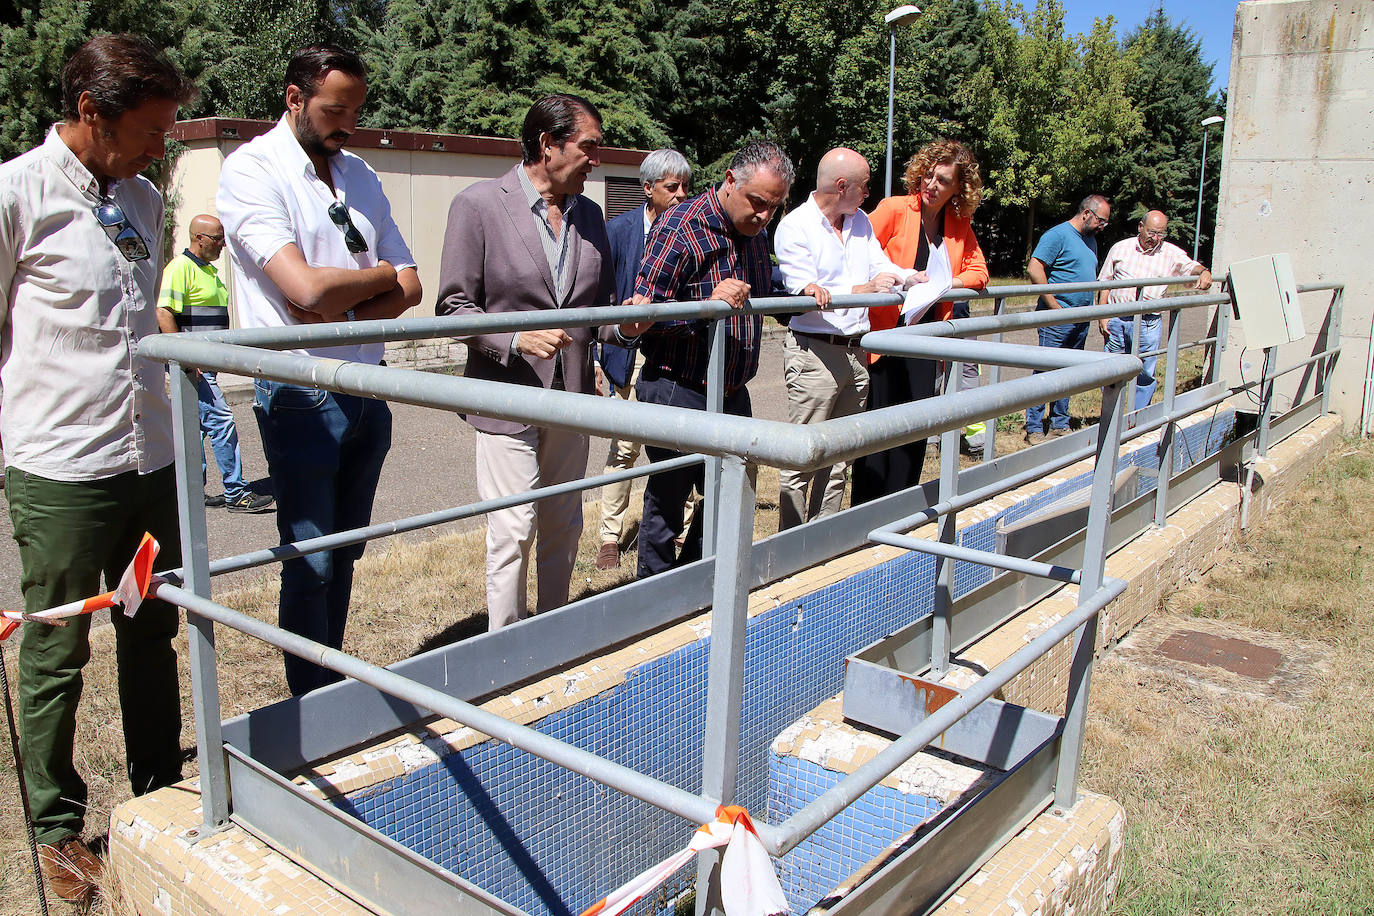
pixel 1297 174
pixel 420 172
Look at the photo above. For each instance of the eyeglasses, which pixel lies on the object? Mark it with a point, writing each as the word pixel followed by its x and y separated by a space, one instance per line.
pixel 1100 219
pixel 1152 233
pixel 338 212
pixel 217 239
pixel 121 231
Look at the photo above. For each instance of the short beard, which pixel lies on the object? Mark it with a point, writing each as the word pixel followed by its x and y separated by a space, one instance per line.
pixel 309 139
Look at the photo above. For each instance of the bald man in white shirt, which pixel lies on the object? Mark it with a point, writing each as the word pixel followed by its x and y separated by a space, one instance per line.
pixel 826 247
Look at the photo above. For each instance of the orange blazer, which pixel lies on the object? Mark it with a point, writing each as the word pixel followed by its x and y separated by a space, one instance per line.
pixel 897 227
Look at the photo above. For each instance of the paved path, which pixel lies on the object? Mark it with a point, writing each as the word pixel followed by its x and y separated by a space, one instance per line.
pixel 430 466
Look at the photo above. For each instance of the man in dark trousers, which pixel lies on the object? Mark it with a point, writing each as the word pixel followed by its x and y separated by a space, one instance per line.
pixel 713 246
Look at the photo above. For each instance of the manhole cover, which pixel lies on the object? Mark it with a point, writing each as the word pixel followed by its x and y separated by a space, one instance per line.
pixel 1235 655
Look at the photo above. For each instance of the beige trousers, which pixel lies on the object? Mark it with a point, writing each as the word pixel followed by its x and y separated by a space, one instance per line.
pixel 824 380
pixel 512 464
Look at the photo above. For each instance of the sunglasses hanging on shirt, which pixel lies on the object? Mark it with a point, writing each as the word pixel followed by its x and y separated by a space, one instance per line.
pixel 120 230
pixel 338 212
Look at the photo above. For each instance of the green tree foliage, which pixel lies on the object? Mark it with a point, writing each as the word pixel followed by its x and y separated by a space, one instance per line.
pixel 475 66
pixel 1172 91
pixel 34 48
pixel 1049 107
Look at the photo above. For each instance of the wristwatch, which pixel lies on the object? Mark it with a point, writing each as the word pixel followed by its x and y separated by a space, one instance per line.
pixel 350 316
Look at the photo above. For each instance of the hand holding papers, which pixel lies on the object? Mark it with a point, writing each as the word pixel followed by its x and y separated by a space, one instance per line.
pixel 923 295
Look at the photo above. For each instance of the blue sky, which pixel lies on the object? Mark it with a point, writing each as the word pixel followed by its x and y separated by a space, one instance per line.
pixel 1211 20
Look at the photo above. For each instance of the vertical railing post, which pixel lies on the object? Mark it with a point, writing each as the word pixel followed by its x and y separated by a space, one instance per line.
pixel 1333 340
pixel 200 635
pixel 1166 434
pixel 1096 539
pixel 725 667
pixel 1266 403
pixel 999 308
pixel 715 403
pixel 942 608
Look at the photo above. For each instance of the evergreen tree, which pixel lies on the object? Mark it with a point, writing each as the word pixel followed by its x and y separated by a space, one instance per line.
pixel 1172 91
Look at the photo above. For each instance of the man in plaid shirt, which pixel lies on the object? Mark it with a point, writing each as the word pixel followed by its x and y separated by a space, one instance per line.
pixel 714 246
pixel 1145 255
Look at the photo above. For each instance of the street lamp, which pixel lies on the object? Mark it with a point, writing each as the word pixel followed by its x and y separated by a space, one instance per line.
pixel 902 15
pixel 1202 172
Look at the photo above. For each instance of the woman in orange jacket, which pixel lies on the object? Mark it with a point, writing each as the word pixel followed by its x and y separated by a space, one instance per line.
pixel 932 221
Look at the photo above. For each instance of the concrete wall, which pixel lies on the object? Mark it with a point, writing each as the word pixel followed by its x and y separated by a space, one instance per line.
pixel 419 180
pixel 1298 171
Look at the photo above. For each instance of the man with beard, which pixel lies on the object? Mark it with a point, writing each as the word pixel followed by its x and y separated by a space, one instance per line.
pixel 311 239
pixel 1065 254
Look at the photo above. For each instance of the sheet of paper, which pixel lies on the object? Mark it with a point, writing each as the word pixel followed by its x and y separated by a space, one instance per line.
pixel 922 296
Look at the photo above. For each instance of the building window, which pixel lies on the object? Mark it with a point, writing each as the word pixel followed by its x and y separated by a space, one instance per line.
pixel 622 195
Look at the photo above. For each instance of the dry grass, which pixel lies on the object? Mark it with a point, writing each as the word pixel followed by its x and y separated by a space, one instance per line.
pixel 1246 803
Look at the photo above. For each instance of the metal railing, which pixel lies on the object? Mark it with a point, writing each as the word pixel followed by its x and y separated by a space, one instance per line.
pixel 726 443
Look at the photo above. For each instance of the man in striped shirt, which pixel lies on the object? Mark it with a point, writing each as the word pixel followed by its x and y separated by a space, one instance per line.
pixel 1144 255
pixel 713 246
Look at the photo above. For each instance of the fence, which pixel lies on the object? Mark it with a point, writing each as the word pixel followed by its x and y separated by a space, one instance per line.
pixel 243 760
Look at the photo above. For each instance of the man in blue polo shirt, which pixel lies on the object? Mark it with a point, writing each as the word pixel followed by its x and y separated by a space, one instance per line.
pixel 193 298
pixel 1065 254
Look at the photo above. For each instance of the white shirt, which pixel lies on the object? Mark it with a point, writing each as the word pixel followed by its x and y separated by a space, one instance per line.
pixel 270 197
pixel 76 402
pixel 809 251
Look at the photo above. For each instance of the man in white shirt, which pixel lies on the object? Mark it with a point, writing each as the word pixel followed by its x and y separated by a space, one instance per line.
pixel 311 239
pixel 826 247
pixel 1144 255
pixel 87 426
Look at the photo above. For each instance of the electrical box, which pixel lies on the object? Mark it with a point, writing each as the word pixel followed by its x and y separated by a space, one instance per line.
pixel 1265 299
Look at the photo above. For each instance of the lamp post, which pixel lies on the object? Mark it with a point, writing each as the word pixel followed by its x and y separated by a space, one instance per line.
pixel 1202 173
pixel 902 15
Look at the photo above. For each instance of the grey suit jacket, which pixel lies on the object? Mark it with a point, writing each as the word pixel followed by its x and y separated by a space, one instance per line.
pixel 493 261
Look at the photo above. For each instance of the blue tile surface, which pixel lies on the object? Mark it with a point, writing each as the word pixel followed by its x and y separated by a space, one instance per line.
pixel 552 842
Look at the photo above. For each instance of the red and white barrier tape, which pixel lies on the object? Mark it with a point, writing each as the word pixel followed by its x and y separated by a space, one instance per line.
pixel 748 884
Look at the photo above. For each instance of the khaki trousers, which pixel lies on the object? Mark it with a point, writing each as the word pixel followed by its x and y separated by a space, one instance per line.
pixel 824 380
pixel 508 464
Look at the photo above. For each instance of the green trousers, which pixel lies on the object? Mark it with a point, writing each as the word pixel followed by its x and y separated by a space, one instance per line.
pixel 69 534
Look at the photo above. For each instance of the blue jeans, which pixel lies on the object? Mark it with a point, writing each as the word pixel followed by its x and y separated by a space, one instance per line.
pixel 217 424
pixel 1119 334
pixel 1064 337
pixel 324 453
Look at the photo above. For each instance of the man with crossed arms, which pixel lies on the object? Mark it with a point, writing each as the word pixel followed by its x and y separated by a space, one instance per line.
pixel 312 239
pixel 826 247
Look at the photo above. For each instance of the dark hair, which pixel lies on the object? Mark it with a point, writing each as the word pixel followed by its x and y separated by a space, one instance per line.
pixel 120 73
pixel 309 66
pixel 555 115
pixel 762 154
pixel 1091 201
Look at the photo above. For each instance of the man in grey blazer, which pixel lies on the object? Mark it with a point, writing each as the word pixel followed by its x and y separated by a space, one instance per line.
pixel 526 241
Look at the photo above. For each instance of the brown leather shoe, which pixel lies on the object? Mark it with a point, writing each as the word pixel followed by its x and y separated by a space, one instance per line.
pixel 609 556
pixel 72 870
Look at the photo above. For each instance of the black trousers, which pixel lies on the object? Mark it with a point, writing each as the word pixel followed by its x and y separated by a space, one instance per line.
pixel 893 380
pixel 666 492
